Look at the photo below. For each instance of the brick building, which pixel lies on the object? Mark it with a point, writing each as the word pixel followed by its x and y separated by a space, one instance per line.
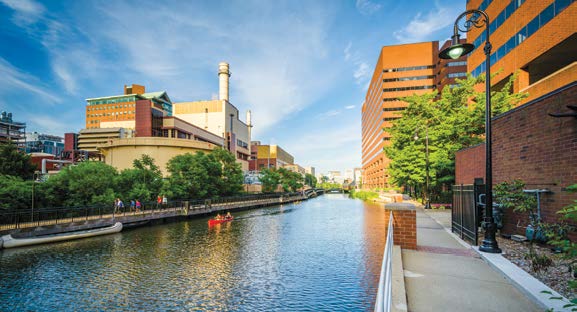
pixel 537 40
pixel 401 70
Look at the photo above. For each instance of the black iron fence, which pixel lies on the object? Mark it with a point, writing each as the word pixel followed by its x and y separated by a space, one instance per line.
pixel 465 211
pixel 60 215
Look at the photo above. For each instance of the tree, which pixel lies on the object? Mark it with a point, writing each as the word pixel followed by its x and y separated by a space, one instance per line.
pixel 16 193
pixel 15 163
pixel 189 177
pixel 88 183
pixel 290 180
pixel 453 122
pixel 232 177
pixel 310 180
pixel 143 181
pixel 270 179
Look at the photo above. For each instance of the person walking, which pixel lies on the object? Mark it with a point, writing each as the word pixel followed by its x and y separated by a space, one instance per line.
pixel 164 201
pixel 138 205
pixel 158 201
pixel 132 205
pixel 119 205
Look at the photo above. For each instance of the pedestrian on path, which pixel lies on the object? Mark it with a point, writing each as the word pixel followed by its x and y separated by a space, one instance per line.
pixel 138 205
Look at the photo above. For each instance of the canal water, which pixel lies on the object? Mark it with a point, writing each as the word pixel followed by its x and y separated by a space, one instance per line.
pixel 323 254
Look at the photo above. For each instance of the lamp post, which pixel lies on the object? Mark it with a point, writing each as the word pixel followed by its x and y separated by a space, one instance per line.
pixel 35 177
pixel 479 19
pixel 427 187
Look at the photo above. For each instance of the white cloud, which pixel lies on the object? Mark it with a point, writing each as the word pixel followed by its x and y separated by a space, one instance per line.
pixel 350 106
pixel 421 27
pixel 331 113
pixel 25 11
pixel 362 70
pixel 367 7
pixel 361 73
pixel 13 80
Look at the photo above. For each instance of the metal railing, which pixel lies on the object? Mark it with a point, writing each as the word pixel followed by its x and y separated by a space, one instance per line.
pixel 385 292
pixel 60 215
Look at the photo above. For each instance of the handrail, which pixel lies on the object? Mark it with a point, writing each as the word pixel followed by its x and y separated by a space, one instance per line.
pixel 385 293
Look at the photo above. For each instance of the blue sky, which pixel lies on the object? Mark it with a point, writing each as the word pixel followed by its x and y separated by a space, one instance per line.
pixel 301 67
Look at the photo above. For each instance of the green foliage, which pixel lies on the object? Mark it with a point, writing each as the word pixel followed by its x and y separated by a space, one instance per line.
pixel 364 195
pixel 452 122
pixel 560 240
pixel 88 183
pixel 143 181
pixel 232 178
pixel 330 185
pixel 290 181
pixel 203 175
pixel 15 163
pixel 16 193
pixel 270 179
pixel 310 180
pixel 510 195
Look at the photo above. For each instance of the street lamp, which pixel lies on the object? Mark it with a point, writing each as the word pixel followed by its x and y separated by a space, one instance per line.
pixel 35 179
pixel 479 19
pixel 427 188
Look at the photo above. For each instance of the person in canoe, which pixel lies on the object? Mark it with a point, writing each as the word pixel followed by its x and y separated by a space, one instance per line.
pixel 218 217
pixel 228 216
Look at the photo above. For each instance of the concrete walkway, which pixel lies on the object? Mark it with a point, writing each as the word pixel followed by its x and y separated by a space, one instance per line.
pixel 444 274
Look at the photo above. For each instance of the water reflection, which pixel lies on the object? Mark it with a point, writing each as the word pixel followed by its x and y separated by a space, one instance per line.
pixel 320 255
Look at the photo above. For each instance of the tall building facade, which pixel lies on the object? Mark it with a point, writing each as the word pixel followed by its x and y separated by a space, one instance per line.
pixel 401 70
pixel 536 39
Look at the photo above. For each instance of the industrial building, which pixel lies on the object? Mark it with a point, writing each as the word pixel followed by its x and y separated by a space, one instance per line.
pixel 401 70
pixel 12 131
pixel 220 118
pixel 44 143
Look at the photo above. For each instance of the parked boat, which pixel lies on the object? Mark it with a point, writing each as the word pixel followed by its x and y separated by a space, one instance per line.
pixel 219 221
pixel 7 241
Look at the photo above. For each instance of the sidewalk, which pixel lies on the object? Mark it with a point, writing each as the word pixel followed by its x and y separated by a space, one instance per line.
pixel 444 274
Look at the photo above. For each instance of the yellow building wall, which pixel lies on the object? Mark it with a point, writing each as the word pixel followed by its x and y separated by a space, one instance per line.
pixel 120 153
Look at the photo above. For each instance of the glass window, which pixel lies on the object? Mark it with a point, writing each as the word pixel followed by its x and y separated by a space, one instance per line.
pixel 547 14
pixel 560 5
pixel 533 26
pixel 522 35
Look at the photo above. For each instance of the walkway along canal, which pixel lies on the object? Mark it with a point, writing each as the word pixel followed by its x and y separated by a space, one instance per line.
pixel 323 254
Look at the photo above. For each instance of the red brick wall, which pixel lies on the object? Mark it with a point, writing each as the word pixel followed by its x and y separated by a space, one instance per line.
pixel 143 119
pixel 404 227
pixel 538 149
pixel 470 164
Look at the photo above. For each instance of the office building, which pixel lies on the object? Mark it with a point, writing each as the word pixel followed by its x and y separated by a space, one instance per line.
pixel 401 70
pixel 533 38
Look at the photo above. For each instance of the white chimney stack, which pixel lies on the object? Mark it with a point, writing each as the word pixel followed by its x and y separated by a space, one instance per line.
pixel 223 76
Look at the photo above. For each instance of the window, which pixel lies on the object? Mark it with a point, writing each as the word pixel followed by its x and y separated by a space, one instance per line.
pixel 547 15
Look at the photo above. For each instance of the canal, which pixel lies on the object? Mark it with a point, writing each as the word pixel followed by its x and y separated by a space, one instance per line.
pixel 323 254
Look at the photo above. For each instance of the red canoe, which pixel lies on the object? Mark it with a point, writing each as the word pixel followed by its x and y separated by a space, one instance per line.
pixel 214 221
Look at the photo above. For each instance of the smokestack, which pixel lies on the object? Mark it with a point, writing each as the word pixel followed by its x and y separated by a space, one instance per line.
pixel 223 75
pixel 249 124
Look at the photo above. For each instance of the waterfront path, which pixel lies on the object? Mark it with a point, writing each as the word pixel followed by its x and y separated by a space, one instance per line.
pixel 445 274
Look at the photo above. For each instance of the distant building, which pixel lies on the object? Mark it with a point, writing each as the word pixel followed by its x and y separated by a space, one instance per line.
pixel 295 168
pixel 310 170
pixel 221 118
pixel 44 143
pixel 269 156
pixel 12 131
